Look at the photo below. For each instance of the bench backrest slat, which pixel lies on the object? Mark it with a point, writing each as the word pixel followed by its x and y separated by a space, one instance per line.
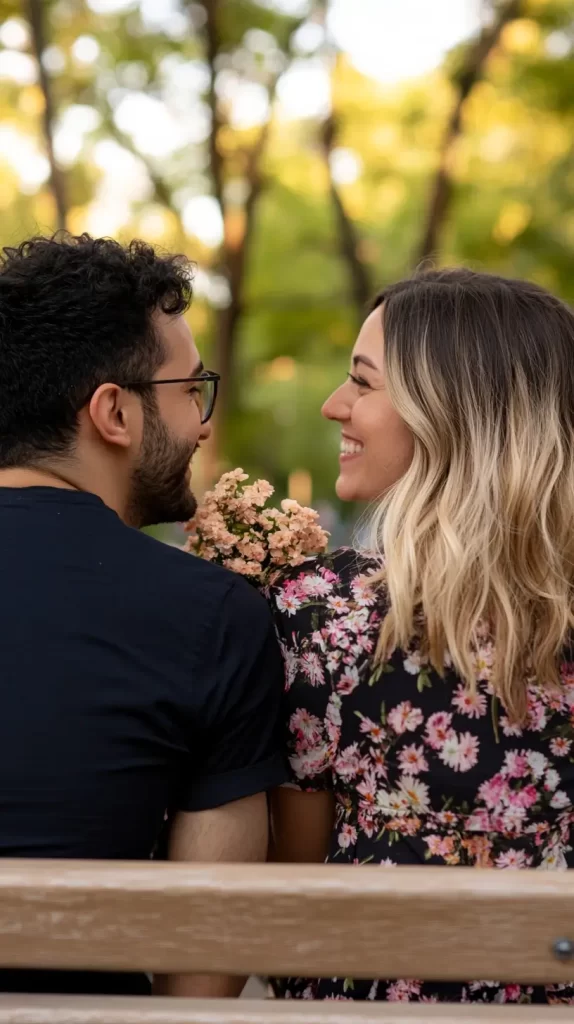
pixel 436 923
pixel 78 1010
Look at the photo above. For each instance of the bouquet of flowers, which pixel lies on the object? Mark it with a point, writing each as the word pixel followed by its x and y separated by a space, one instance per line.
pixel 234 527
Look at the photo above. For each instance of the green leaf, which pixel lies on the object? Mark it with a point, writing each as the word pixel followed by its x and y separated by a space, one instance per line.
pixel 423 681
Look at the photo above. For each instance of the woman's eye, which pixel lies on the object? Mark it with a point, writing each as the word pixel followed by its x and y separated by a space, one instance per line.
pixel 359 381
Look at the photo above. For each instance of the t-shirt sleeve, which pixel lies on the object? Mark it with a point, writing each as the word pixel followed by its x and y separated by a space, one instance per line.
pixel 241 744
pixel 312 707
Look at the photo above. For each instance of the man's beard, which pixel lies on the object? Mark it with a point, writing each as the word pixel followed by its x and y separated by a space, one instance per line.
pixel 160 485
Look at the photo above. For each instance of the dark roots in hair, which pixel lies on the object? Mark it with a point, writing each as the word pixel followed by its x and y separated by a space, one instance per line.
pixel 76 312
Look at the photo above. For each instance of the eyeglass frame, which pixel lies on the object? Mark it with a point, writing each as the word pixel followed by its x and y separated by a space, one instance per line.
pixel 207 375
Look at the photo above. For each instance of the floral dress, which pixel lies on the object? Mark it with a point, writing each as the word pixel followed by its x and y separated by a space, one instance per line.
pixel 422 771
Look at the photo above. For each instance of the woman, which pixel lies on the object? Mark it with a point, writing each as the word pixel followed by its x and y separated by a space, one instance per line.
pixel 431 688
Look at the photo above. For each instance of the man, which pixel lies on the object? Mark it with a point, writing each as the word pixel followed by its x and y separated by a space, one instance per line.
pixel 134 679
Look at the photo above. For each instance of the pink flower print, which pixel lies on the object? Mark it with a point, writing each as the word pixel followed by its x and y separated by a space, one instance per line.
pixel 338 604
pixel 416 793
pixel 363 594
pixel 308 762
pixel 403 991
pixel 513 819
pixel 560 747
pixel 551 780
pixel 537 717
pixel 438 729
pixel 538 763
pixel 335 631
pixel 494 791
pixel 567 673
pixel 366 824
pixel 318 640
pixel 364 643
pixel 392 803
pixel 447 818
pixel 328 575
pixel 483 659
pixel 332 661
pixel 310 664
pixel 356 622
pixel 291 662
pixel 378 764
pixel 469 703
pixel 305 725
pixel 412 760
pixel 510 728
pixel 367 789
pixel 333 711
pixel 479 821
pixel 526 797
pixel 287 601
pixel 512 993
pixel 347 764
pixel 560 800
pixel 315 586
pixel 440 846
pixel 333 720
pixel 513 859
pixel 515 765
pixel 412 663
pixel 467 751
pixel 373 729
pixel 347 836
pixel 405 718
pixel 460 752
pixel 349 680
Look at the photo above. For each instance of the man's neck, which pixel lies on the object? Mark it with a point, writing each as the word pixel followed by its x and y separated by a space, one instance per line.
pixel 29 477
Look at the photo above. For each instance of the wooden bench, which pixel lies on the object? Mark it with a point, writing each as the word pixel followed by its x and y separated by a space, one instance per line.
pixel 447 923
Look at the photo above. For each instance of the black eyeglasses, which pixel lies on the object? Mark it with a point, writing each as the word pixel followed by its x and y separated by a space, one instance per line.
pixel 203 388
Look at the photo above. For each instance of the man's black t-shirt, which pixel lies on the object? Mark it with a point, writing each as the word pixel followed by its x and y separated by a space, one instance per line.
pixel 134 679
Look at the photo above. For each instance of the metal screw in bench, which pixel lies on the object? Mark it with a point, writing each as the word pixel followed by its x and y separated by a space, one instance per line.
pixel 563 949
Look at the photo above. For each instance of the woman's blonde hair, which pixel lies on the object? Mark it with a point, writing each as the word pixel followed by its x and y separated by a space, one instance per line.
pixel 480 529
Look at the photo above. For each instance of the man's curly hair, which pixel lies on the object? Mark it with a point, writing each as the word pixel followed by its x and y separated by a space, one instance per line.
pixel 76 312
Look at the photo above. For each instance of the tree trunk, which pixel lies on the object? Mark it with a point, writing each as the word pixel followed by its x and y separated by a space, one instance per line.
pixel 36 16
pixel 346 231
pixel 212 41
pixel 471 73
pixel 235 259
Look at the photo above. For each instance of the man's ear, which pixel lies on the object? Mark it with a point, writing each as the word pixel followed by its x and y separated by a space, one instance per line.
pixel 112 415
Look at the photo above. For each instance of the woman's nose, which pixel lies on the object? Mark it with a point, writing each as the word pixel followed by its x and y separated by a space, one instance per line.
pixel 336 407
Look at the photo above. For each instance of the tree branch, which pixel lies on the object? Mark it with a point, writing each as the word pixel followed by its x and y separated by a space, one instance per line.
pixel 36 11
pixel 471 73
pixel 346 230
pixel 161 190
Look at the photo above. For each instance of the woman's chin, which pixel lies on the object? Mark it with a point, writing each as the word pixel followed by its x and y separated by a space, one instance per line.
pixel 346 489
pixel 350 487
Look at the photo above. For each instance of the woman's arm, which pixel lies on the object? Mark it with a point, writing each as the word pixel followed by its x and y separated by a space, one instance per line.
pixel 301 826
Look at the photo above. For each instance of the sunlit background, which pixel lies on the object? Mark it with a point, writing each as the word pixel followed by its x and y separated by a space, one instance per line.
pixel 304 153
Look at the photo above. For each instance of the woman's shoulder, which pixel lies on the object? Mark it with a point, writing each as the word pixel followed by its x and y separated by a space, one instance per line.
pixel 345 575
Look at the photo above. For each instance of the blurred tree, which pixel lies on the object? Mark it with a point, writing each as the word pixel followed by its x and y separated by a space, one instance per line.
pixel 37 11
pixel 471 70
pixel 168 121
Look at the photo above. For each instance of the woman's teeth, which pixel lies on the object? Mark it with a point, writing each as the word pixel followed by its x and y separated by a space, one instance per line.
pixel 350 447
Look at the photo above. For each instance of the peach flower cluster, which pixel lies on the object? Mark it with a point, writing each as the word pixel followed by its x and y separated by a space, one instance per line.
pixel 234 527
